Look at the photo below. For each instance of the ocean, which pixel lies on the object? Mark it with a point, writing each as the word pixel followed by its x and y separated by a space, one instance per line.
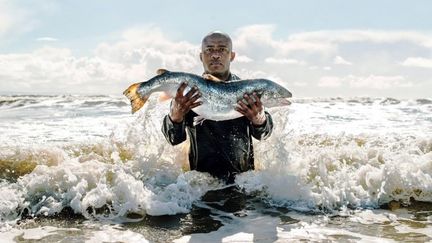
pixel 84 169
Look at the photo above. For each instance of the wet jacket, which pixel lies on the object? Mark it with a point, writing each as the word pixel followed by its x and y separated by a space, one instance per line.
pixel 221 148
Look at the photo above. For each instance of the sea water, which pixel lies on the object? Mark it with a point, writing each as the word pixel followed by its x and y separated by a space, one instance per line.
pixel 83 169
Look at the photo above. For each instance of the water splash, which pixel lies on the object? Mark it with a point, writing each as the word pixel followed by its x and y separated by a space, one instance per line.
pixel 323 155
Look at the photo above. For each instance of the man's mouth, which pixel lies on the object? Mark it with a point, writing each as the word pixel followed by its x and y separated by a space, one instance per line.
pixel 216 64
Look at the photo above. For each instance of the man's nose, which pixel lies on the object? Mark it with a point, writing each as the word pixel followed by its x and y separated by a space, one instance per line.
pixel 215 55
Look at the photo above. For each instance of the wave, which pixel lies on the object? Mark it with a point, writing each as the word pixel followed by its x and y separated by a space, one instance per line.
pixel 390 101
pixel 31 101
pixel 424 101
pixel 134 170
pixel 42 101
pixel 306 172
pixel 364 101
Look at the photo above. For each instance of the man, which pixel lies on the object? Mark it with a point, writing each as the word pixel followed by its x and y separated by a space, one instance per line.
pixel 221 148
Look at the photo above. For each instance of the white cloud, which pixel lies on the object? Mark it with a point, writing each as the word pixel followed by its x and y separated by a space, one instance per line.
pixel 330 81
pixel 109 70
pixel 417 62
pixel 373 36
pixel 284 61
pixel 137 46
pixel 341 61
pixel 260 37
pixel 136 56
pixel 254 35
pixel 378 82
pixel 369 82
pixel 243 58
pixel 300 84
pixel 48 39
pixel 55 69
pixel 311 53
pixel 246 73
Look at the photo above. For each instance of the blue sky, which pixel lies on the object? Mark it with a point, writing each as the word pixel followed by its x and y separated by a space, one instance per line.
pixel 315 48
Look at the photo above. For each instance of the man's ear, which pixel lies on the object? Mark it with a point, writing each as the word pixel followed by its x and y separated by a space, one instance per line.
pixel 232 56
pixel 201 56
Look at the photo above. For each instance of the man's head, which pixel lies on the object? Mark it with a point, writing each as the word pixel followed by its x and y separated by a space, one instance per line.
pixel 216 54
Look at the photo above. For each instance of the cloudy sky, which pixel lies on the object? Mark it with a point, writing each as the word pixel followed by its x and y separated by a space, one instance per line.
pixel 314 48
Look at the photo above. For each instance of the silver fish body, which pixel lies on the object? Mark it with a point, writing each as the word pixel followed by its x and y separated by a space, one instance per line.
pixel 219 99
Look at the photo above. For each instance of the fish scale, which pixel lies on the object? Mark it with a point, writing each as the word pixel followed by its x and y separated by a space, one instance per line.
pixel 219 99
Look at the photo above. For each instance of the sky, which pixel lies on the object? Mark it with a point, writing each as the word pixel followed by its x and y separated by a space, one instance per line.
pixel 314 48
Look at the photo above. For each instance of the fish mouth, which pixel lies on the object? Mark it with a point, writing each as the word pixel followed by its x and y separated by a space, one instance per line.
pixel 280 102
pixel 284 101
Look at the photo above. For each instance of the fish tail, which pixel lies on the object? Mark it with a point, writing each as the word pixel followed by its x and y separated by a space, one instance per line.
pixel 137 101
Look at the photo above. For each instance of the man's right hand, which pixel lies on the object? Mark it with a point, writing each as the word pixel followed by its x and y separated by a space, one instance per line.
pixel 182 104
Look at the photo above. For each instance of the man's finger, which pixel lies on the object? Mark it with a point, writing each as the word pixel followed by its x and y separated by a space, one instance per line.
pixel 193 99
pixel 244 108
pixel 250 101
pixel 191 92
pixel 181 89
pixel 195 104
pixel 257 99
pixel 196 96
pixel 240 110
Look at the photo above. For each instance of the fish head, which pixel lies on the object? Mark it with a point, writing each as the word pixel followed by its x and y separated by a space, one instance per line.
pixel 275 95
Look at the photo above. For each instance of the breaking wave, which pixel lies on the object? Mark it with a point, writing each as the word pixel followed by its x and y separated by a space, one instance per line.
pixel 311 162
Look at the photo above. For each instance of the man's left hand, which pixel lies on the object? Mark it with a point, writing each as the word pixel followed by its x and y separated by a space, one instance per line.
pixel 254 111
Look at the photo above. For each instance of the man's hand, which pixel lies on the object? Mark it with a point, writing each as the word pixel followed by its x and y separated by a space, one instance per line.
pixel 254 111
pixel 182 104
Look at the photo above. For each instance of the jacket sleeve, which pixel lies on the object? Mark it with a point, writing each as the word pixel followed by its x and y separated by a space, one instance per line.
pixel 263 131
pixel 174 133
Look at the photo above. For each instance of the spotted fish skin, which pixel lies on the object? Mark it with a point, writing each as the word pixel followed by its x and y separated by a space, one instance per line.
pixel 219 99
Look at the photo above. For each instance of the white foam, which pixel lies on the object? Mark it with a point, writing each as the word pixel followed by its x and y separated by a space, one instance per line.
pixel 109 233
pixel 344 170
pixel 258 228
pixel 93 184
pixel 373 217
pixel 106 163
pixel 315 232
pixel 250 229
pixel 35 234
pixel 405 229
pixel 38 233
pixel 12 201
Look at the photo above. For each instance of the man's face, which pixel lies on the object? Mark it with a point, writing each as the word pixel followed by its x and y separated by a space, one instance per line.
pixel 216 56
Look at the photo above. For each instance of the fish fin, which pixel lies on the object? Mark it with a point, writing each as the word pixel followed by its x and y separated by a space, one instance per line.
pixel 136 100
pixel 198 120
pixel 211 77
pixel 164 96
pixel 161 71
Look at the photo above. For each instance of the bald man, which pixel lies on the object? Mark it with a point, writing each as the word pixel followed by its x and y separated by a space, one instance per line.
pixel 221 148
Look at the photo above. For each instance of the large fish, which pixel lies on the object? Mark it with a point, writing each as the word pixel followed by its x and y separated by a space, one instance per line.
pixel 219 98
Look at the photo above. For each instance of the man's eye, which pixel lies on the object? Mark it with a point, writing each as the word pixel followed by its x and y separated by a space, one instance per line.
pixel 221 50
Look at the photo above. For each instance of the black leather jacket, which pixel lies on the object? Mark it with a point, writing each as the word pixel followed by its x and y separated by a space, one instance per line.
pixel 221 148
